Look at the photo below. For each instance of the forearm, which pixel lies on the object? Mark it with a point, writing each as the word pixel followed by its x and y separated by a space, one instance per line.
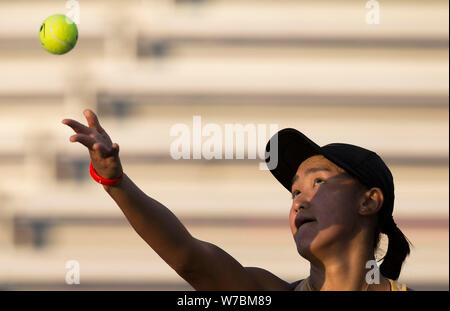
pixel 155 223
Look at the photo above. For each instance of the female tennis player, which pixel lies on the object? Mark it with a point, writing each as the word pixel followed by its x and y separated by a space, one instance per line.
pixel 342 200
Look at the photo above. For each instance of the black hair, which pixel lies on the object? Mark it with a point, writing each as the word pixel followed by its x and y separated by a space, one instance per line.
pixel 398 245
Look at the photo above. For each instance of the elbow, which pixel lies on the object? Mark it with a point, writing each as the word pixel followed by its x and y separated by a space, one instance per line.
pixel 187 260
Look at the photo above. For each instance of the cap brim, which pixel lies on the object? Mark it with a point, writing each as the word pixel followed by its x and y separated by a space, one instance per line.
pixel 293 149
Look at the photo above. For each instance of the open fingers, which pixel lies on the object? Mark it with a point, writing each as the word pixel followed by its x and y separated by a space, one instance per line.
pixel 78 127
pixel 84 139
pixel 92 120
pixel 92 144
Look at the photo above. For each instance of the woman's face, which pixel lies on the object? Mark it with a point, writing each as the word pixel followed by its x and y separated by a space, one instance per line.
pixel 324 211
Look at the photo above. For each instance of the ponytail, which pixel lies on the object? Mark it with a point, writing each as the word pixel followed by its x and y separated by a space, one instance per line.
pixel 398 249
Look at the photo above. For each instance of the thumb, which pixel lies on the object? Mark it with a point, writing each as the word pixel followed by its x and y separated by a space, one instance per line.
pixel 115 149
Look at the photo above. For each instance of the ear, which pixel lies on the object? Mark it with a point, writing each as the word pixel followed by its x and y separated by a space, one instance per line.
pixel 371 202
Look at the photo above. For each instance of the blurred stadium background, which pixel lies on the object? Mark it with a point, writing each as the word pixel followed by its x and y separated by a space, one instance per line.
pixel 146 65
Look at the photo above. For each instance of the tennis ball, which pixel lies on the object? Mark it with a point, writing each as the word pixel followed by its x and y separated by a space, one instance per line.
pixel 58 34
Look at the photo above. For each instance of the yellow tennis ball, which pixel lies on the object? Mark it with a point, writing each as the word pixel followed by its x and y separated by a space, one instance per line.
pixel 58 34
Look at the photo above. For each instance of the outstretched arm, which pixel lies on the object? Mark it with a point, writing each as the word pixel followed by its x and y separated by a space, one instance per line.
pixel 203 265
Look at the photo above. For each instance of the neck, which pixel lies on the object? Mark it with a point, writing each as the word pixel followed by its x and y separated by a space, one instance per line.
pixel 345 269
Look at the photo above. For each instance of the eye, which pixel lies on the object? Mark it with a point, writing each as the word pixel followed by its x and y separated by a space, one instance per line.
pixel 295 193
pixel 318 180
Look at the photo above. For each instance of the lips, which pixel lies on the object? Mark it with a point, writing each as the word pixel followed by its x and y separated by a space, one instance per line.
pixel 302 219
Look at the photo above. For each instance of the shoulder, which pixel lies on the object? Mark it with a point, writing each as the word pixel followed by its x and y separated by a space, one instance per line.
pixel 267 280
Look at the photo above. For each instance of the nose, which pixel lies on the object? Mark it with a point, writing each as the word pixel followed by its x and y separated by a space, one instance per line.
pixel 300 204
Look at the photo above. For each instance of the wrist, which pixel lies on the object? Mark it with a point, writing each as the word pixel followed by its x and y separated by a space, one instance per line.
pixel 105 181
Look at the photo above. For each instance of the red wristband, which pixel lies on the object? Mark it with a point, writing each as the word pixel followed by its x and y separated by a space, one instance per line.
pixel 104 181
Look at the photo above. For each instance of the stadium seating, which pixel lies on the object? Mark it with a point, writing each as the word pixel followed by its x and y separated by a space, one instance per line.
pixel 147 65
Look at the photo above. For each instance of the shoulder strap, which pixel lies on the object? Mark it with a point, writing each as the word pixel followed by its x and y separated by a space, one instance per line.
pixel 396 287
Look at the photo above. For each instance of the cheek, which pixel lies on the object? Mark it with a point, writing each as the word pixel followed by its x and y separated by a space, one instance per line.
pixel 335 208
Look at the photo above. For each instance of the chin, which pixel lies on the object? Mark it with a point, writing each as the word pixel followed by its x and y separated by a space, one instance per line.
pixel 309 246
pixel 303 245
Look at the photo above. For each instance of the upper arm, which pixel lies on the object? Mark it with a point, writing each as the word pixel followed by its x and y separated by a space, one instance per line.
pixel 211 268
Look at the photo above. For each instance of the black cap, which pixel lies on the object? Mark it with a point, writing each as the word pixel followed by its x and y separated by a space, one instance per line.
pixel 365 165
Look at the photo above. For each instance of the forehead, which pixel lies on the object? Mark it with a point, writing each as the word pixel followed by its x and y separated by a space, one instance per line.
pixel 318 161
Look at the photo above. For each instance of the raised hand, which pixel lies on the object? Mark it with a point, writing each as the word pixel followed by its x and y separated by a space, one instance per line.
pixel 104 154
